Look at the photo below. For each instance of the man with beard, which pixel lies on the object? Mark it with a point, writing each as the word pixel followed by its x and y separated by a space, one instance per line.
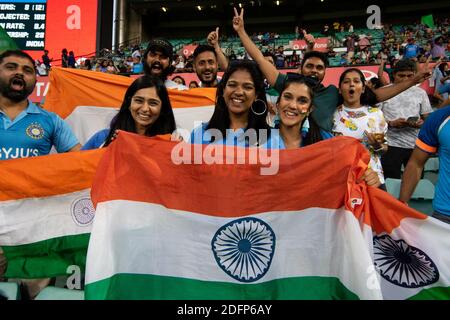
pixel 158 60
pixel 206 66
pixel 313 67
pixel 25 129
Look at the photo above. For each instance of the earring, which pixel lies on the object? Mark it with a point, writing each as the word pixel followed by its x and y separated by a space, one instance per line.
pixel 305 126
pixel 259 113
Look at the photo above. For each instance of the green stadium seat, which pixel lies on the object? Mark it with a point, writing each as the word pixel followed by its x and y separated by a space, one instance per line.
pixel 10 290
pixel 393 187
pixel 424 189
pixel 432 164
pixel 53 293
pixel 421 200
pixel 424 206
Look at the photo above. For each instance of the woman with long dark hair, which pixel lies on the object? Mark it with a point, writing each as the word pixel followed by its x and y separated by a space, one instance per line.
pixel 357 118
pixel 240 111
pixel 296 128
pixel 294 105
pixel 145 110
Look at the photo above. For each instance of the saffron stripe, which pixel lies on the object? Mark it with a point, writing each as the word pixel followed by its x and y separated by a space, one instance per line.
pixel 317 181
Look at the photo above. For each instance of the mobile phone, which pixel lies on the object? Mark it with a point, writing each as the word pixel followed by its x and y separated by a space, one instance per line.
pixel 412 119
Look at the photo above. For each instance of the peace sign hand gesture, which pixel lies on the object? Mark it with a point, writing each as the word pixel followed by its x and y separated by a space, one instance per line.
pixel 238 20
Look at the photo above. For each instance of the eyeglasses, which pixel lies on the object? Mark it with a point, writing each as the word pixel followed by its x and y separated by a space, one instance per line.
pixel 309 81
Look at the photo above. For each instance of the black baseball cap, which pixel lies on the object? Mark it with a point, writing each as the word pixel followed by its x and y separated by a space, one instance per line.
pixel 160 45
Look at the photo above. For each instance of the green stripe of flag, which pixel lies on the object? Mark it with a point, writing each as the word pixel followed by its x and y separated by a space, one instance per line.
pixel 49 258
pixel 437 293
pixel 151 287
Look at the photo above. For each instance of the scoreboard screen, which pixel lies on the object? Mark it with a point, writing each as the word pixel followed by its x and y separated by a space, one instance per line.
pixel 24 21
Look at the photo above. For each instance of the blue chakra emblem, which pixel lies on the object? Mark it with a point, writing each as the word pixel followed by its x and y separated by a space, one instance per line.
pixel 35 131
pixel 83 211
pixel 244 249
pixel 403 265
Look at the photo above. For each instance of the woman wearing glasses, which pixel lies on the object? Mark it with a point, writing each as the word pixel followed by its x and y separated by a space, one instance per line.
pixel 240 112
pixel 145 110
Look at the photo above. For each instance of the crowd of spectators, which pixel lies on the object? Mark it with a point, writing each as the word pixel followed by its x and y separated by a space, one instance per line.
pixel 416 41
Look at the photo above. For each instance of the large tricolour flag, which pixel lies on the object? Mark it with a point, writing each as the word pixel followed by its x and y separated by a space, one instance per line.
pixel 170 230
pixel 88 101
pixel 46 212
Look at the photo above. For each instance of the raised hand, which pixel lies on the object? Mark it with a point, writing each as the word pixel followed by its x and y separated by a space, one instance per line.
pixel 309 38
pixel 213 37
pixel 238 20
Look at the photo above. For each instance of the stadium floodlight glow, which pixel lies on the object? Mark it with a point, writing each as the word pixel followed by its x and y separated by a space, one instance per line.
pixel 277 2
pixel 199 8
pixel 240 5
pixel 164 9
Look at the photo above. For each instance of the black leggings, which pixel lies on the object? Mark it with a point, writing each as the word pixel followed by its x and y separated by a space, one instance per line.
pixel 393 160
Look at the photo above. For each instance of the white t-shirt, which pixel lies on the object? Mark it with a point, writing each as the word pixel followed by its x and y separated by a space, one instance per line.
pixel 352 122
pixel 173 85
pixel 413 102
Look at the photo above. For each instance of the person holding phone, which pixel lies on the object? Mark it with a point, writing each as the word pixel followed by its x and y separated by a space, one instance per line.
pixel 405 114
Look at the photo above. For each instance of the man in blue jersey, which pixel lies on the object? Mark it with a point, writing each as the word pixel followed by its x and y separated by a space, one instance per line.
pixel 411 49
pixel 434 137
pixel 25 129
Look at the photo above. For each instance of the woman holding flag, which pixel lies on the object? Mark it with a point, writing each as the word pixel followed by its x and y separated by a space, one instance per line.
pixel 294 128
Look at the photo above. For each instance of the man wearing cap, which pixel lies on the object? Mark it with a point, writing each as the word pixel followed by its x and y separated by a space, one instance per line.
pixel 158 60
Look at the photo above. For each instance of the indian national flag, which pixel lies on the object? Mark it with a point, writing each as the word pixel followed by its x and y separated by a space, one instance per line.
pixel 88 101
pixel 312 231
pixel 46 212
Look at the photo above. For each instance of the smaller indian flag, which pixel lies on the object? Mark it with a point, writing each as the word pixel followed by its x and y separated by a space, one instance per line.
pixel 46 212
pixel 88 101
pixel 197 231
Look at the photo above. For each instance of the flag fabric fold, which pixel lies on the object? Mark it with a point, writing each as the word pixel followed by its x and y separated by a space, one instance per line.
pixel 165 230
pixel 88 101
pixel 46 213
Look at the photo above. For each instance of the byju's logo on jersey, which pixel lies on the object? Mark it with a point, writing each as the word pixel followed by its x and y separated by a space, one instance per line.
pixel 244 249
pixel 35 131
